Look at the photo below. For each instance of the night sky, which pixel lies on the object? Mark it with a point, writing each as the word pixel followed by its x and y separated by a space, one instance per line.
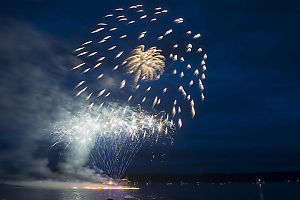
pixel 249 122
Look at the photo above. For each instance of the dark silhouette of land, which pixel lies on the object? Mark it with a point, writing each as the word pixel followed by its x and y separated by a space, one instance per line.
pixel 290 176
pixel 218 177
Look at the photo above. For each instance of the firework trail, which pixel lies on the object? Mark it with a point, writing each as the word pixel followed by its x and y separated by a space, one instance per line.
pixel 146 60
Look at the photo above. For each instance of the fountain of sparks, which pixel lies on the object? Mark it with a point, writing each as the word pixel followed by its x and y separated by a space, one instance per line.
pixel 113 135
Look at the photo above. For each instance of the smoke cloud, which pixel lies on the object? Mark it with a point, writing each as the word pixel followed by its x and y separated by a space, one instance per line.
pixel 35 93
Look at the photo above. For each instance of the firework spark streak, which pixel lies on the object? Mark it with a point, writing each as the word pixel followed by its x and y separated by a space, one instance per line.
pixel 149 66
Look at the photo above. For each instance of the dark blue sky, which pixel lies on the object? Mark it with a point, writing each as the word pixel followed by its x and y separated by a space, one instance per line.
pixel 250 120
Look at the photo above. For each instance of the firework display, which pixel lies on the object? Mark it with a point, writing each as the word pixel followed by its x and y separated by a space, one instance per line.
pixel 147 64
pixel 139 79
pixel 131 46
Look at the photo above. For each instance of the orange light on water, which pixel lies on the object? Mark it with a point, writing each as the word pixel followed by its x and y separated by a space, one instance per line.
pixel 114 188
pixel 106 187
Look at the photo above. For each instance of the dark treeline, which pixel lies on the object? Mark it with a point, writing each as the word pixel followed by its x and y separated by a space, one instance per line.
pixel 217 177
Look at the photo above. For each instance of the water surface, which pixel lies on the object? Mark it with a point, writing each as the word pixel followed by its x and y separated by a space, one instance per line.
pixel 204 191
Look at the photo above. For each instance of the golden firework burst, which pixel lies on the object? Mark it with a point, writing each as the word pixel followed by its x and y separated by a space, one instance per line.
pixel 146 65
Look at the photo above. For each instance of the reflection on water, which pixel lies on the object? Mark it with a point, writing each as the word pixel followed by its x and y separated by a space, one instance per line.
pixel 259 184
pixel 161 191
pixel 99 195
pixel 75 194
